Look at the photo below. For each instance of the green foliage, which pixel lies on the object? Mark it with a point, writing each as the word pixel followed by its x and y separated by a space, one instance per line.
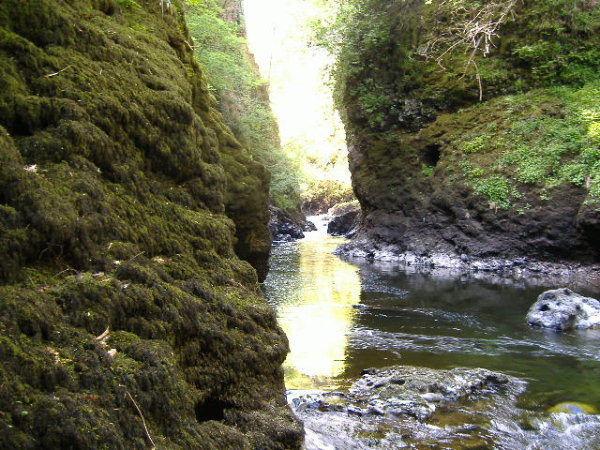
pixel 497 188
pixel 427 170
pixel 477 143
pixel 548 137
pixel 220 49
pixel 320 195
pixel 358 33
pixel 594 133
pixel 242 96
pixel 128 4
pixel 562 46
pixel 373 102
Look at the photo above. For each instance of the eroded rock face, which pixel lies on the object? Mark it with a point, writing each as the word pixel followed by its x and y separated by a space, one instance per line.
pixel 425 149
pixel 563 309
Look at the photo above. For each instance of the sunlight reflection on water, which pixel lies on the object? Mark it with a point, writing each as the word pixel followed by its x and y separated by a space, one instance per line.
pixel 317 313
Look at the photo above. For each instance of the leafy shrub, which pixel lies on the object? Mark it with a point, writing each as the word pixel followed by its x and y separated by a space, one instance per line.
pixel 321 195
pixel 427 170
pixel 476 144
pixel 594 133
pixel 497 188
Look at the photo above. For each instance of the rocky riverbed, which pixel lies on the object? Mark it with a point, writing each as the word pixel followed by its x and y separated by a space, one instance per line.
pixel 452 349
pixel 404 405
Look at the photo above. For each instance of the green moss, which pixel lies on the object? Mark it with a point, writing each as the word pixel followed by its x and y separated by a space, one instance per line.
pixel 542 141
pixel 115 174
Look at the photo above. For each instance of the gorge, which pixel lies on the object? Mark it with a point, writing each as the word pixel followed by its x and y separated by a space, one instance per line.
pixel 135 195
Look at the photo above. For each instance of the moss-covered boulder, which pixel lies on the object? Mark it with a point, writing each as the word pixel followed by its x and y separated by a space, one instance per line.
pixel 127 319
pixel 473 126
pixel 573 408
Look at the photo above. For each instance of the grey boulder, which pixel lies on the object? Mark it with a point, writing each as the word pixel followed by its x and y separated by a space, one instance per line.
pixel 563 309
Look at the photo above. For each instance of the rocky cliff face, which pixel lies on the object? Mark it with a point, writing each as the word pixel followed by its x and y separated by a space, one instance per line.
pixel 126 318
pixel 473 128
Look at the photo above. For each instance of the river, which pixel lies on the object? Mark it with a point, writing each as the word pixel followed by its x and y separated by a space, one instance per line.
pixel 344 316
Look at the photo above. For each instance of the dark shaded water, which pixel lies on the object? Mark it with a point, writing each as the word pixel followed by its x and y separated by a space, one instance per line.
pixel 344 316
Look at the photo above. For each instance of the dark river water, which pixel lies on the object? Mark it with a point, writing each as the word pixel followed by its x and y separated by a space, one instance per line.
pixel 343 316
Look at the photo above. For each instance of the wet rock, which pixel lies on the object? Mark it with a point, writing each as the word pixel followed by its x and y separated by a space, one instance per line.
pixel 344 224
pixel 373 409
pixel 360 307
pixel 302 400
pixel 355 410
pixel 392 408
pixel 402 391
pixel 345 219
pixel 573 408
pixel 308 226
pixel 563 309
pixel 410 391
pixel 285 228
pixel 493 269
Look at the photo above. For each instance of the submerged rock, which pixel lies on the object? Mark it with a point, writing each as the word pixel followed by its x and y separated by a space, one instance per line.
pixel 563 309
pixel 402 391
pixel 573 408
pixel 415 392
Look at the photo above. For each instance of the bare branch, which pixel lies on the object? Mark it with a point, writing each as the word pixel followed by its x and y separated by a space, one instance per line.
pixel 472 29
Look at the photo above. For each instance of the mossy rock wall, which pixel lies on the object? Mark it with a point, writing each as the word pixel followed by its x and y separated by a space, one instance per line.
pixel 488 153
pixel 123 201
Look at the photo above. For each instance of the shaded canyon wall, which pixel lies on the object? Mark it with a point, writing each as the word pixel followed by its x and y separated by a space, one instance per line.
pixel 480 150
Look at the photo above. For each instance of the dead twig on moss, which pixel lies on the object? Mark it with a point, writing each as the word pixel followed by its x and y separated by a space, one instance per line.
pixel 103 336
pixel 472 29
pixel 68 269
pixel 150 441
pixel 191 47
pixel 53 74
pixel 135 256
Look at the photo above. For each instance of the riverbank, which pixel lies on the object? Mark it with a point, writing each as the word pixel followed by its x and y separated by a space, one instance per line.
pixel 533 270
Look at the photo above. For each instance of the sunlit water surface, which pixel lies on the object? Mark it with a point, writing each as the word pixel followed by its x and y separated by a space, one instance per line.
pixel 342 317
